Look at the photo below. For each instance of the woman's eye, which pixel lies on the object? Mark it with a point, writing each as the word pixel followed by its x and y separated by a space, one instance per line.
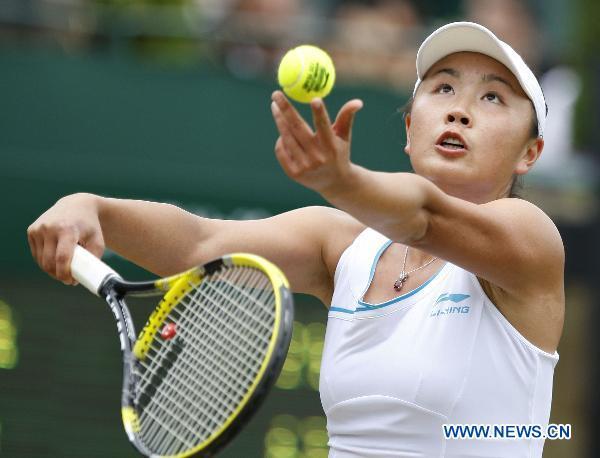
pixel 492 97
pixel 444 89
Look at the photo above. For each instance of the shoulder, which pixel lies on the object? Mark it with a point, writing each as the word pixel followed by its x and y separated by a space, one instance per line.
pixel 527 215
pixel 335 229
pixel 322 211
pixel 542 242
pixel 327 220
pixel 319 221
pixel 332 228
pixel 536 309
pixel 509 242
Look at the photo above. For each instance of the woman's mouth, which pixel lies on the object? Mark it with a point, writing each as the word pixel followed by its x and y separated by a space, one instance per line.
pixel 451 144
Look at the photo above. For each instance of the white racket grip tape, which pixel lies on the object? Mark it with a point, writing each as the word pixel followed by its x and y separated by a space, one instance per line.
pixel 88 270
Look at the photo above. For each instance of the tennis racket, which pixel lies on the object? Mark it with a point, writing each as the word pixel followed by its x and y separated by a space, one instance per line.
pixel 207 355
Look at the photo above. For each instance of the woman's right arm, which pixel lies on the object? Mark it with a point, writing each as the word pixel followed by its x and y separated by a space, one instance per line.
pixel 165 239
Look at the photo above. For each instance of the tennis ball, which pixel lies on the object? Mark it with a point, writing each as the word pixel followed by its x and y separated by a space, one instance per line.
pixel 306 72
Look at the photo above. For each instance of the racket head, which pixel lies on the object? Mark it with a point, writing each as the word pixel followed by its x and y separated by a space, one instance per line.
pixel 207 356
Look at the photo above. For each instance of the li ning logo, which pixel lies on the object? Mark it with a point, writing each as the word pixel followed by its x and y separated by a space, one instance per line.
pixel 450 309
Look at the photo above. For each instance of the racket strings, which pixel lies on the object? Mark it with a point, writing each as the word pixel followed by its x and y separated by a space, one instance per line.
pixel 235 380
pixel 214 411
pixel 214 387
pixel 224 327
pixel 228 332
pixel 183 372
pixel 223 352
pixel 178 412
pixel 175 313
pixel 211 391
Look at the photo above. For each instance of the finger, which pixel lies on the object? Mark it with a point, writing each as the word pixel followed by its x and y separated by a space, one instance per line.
pixel 39 249
pixel 64 255
pixel 48 255
pixel 295 152
pixel 322 122
pixel 284 158
pixel 32 243
pixel 95 244
pixel 297 125
pixel 345 118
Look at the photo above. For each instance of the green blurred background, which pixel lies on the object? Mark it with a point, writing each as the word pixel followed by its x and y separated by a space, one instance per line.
pixel 92 92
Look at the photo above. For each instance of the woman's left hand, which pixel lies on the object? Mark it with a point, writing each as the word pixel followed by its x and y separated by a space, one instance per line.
pixel 319 159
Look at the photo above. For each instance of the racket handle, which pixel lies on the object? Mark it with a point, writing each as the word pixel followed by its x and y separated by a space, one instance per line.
pixel 88 270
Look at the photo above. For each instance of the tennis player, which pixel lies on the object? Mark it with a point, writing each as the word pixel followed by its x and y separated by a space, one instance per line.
pixel 445 295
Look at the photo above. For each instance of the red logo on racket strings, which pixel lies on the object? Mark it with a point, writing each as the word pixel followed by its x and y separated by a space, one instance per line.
pixel 169 331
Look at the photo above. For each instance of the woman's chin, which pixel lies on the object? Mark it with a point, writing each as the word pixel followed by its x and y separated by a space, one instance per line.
pixel 451 174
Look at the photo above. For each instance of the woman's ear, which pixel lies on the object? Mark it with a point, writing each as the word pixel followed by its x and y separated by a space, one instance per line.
pixel 530 156
pixel 407 129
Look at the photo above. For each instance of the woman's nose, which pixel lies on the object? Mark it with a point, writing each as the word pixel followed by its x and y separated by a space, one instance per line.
pixel 459 116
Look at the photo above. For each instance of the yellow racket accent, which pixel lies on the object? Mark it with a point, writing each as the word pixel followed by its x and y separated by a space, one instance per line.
pixel 178 286
pixel 251 260
pixel 278 281
pixel 167 283
pixel 130 420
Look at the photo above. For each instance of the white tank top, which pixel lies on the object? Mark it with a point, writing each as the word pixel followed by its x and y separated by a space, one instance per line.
pixel 393 373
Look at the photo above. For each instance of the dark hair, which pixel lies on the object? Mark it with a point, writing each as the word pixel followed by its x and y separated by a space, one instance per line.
pixel 517 183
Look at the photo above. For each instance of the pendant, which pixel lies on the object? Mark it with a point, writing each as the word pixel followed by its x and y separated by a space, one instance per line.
pixel 398 284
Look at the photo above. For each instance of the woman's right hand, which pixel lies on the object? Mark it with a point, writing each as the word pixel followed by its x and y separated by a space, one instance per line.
pixel 52 237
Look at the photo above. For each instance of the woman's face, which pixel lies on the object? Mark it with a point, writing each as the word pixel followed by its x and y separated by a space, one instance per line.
pixel 469 130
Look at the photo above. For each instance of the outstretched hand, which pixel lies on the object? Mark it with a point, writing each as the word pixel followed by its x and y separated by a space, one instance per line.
pixel 319 159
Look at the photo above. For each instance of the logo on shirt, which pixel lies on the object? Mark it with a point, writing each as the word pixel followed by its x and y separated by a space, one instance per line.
pixel 452 297
pixel 451 309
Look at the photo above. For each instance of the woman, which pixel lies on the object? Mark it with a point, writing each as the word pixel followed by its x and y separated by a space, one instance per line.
pixel 446 297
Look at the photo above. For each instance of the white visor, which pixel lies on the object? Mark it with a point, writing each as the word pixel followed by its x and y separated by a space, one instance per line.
pixel 469 36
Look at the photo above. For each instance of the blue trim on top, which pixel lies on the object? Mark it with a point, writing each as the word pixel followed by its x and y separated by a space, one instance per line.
pixel 338 309
pixel 366 306
pixel 371 275
pixel 374 265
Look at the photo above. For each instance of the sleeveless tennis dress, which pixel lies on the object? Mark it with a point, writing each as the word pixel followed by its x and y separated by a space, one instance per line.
pixel 393 373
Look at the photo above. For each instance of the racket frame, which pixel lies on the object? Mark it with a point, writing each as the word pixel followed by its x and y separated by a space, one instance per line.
pixel 105 282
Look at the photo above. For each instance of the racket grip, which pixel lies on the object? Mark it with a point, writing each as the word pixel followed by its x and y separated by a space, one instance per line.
pixel 88 270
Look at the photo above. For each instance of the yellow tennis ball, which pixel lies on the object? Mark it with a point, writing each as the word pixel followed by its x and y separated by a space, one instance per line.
pixel 306 72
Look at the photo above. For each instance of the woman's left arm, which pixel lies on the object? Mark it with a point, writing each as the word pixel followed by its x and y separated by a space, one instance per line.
pixel 508 242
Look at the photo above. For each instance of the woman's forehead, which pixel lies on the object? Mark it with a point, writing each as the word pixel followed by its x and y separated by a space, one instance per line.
pixel 468 63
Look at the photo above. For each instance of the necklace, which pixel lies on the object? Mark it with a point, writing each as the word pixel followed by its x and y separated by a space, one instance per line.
pixel 398 284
